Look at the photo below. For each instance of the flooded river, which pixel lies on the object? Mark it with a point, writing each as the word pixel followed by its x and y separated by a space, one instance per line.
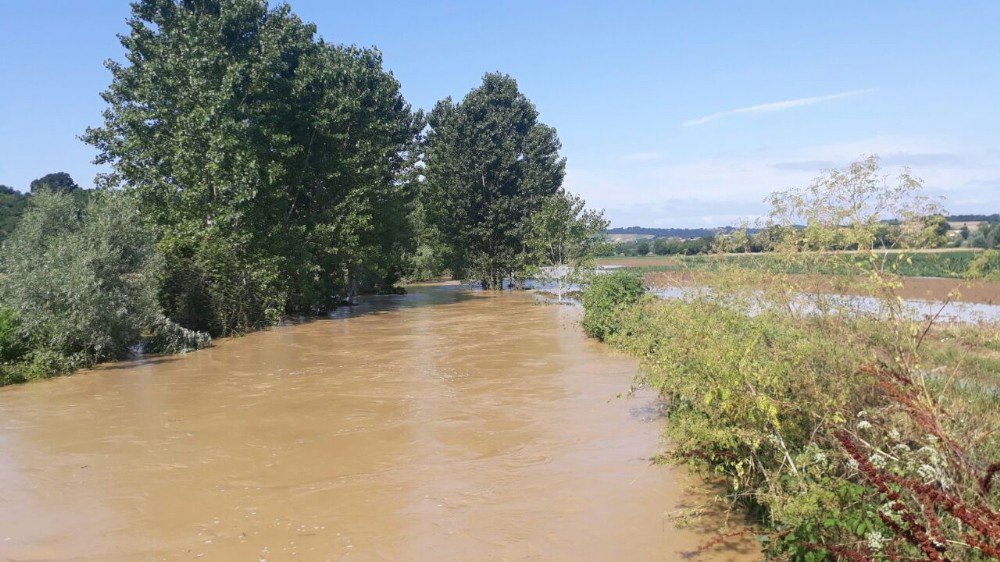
pixel 446 424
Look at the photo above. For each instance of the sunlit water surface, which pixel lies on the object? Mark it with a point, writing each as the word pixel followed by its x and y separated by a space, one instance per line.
pixel 445 424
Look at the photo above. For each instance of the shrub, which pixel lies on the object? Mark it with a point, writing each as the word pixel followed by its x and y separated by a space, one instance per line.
pixel 11 340
pixel 986 265
pixel 81 277
pixel 605 299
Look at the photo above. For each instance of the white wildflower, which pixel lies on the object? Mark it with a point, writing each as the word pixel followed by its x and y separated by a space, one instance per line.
pixel 878 460
pixel 876 540
pixel 864 424
pixel 927 472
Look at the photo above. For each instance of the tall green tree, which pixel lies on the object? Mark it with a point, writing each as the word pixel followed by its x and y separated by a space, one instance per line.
pixel 489 166
pixel 267 159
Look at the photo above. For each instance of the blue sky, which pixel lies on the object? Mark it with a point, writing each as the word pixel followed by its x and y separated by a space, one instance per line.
pixel 670 114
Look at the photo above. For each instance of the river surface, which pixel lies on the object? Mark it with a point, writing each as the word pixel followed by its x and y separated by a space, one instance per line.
pixel 445 424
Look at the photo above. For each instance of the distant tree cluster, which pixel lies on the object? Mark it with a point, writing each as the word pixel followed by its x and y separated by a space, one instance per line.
pixel 986 236
pixel 663 246
pixel 995 217
pixel 58 182
pixel 672 232
pixel 12 206
pixel 13 203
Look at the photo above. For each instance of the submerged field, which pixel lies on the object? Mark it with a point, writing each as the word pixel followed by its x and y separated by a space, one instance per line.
pixel 937 263
pixel 926 276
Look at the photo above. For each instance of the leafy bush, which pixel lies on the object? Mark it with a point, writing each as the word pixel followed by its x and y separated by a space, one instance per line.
pixel 605 299
pixel 11 340
pixel 217 283
pixel 81 279
pixel 986 265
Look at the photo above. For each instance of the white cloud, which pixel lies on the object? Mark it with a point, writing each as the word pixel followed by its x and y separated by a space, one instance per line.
pixel 774 106
pixel 719 190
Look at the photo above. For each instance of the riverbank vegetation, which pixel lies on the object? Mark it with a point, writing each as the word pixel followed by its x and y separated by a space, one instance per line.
pixel 79 287
pixel 847 431
pixel 258 171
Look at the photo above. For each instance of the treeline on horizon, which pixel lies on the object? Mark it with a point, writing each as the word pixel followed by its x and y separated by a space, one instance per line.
pixel 702 232
pixel 258 171
pixel 936 234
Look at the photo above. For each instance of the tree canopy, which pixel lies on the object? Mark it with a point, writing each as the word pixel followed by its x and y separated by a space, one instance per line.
pixel 60 182
pixel 489 165
pixel 266 159
pixel 566 237
pixel 79 275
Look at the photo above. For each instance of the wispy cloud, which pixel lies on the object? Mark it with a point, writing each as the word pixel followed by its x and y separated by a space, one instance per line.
pixel 774 106
pixel 642 157
pixel 718 189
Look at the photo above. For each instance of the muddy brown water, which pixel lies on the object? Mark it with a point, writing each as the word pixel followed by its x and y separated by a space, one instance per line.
pixel 445 424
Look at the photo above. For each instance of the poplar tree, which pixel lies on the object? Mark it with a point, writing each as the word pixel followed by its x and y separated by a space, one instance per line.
pixel 489 166
pixel 265 157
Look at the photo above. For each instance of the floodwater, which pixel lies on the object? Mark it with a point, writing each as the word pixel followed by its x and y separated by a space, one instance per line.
pixel 446 424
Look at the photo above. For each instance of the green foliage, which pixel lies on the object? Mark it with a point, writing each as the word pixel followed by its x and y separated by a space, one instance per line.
pixel 782 392
pixel 607 298
pixel 986 265
pixel 58 182
pixel 986 236
pixel 12 345
pixel 489 166
pixel 12 206
pixel 935 232
pixel 847 209
pixel 170 337
pixel 564 238
pixel 81 279
pixel 268 161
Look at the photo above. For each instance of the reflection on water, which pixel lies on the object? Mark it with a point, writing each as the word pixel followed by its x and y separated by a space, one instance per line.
pixel 445 424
